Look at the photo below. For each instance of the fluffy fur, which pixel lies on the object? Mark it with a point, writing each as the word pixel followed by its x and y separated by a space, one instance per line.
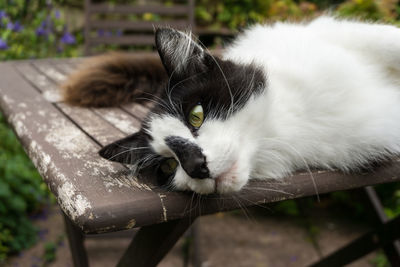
pixel 114 79
pixel 284 97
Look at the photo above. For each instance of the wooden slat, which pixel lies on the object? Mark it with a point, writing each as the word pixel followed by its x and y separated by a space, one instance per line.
pixel 99 129
pixel 138 110
pixel 92 124
pixel 66 66
pixel 48 69
pixel 120 119
pixel 91 191
pixel 138 9
pixel 49 90
pixel 137 25
pixel 141 39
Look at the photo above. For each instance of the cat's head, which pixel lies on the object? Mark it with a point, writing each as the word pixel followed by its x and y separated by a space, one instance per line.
pixel 197 136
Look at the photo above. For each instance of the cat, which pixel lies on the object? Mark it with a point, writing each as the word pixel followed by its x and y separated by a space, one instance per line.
pixel 283 97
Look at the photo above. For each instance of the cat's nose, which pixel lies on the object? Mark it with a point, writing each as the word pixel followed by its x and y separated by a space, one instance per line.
pixel 190 156
pixel 196 167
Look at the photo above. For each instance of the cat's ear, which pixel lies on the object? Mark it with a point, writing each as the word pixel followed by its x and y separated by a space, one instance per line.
pixel 178 51
pixel 127 150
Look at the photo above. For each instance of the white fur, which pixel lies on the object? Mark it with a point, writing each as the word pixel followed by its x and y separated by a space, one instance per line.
pixel 332 101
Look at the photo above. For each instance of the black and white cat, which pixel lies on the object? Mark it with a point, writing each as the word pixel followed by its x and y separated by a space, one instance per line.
pixel 284 97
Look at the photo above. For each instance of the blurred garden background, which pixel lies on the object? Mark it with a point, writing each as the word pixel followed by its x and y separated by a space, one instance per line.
pixel 32 29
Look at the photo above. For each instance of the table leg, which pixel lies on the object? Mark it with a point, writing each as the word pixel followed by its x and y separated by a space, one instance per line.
pixel 383 235
pixel 152 243
pixel 75 239
pixel 392 250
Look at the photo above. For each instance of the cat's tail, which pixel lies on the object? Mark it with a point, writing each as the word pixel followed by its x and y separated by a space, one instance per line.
pixel 114 79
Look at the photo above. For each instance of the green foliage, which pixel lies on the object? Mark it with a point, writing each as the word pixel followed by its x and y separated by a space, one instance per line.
pixel 49 252
pixel 364 9
pixel 34 29
pixel 236 14
pixel 22 192
pixel 390 196
pixel 380 260
pixel 288 207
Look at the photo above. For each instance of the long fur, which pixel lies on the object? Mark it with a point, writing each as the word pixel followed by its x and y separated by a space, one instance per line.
pixel 114 79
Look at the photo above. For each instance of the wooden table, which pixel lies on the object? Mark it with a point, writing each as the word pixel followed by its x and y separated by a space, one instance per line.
pixel 99 196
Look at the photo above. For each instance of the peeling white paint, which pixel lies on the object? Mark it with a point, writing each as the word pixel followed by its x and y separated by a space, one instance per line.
pixel 162 196
pixel 54 74
pixel 52 96
pixel 107 171
pixel 71 201
pixel 40 159
pixel 8 100
pixel 121 121
pixel 40 128
pixel 131 224
pixel 68 139
pixel 17 121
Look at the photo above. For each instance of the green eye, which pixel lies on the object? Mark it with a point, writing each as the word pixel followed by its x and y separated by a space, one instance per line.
pixel 196 116
pixel 169 166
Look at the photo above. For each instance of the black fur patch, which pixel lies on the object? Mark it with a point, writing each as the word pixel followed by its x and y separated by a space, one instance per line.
pixel 221 86
pixel 190 156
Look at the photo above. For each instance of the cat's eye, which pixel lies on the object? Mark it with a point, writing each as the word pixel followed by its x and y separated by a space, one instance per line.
pixel 196 116
pixel 169 166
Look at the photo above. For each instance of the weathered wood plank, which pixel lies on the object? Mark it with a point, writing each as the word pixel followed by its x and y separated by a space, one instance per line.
pixel 138 110
pixel 67 66
pixel 49 90
pixel 101 130
pixel 92 124
pixel 48 69
pixel 93 192
pixel 120 119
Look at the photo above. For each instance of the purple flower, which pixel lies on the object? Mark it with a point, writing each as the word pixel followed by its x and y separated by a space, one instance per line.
pixel 3 45
pixel 42 233
pixel 103 33
pixel 43 29
pixel 57 14
pixel 119 33
pixel 3 14
pixel 16 27
pixel 68 38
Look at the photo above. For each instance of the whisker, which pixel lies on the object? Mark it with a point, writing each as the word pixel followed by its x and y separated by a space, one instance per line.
pixel 302 159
